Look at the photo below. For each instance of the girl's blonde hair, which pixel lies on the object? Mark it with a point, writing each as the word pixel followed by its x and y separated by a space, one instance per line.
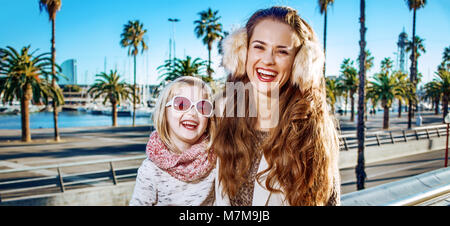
pixel 160 117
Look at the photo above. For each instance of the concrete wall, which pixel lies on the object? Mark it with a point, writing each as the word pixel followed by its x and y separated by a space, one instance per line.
pixel 372 154
pixel 115 195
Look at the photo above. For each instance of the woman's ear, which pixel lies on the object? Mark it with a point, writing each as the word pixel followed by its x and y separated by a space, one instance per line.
pixel 235 52
pixel 307 69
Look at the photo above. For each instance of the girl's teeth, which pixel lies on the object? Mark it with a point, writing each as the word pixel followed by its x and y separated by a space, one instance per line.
pixel 189 125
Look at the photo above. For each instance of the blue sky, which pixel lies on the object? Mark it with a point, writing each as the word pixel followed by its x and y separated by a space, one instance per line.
pixel 89 31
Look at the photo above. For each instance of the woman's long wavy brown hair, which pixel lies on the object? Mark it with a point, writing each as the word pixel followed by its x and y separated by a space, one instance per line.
pixel 301 151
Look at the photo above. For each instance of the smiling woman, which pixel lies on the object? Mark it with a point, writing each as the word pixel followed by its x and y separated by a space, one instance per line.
pixel 289 159
pixel 271 53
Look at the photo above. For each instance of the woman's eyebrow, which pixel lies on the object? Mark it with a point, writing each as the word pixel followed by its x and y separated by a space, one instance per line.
pixel 278 46
pixel 260 42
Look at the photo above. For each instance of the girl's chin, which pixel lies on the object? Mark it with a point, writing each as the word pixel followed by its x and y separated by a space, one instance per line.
pixel 189 137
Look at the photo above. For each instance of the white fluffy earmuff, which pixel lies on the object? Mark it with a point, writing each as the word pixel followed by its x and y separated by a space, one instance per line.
pixel 307 70
pixel 235 52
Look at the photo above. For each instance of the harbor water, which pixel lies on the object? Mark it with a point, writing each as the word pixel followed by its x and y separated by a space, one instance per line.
pixel 67 119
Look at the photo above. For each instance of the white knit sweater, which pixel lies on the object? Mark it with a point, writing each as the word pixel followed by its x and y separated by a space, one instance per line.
pixel 156 187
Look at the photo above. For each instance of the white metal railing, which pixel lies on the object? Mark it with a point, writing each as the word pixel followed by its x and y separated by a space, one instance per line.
pixel 378 138
pixel 62 180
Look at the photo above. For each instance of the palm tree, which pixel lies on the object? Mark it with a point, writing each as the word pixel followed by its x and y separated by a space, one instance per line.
pixel 24 79
pixel 360 133
pixel 350 82
pixel 333 91
pixel 219 45
pixel 368 64
pixel 385 89
pixel 369 61
pixel 373 99
pixel 443 84
pixel 413 5
pixel 386 65
pixel 210 29
pixel 446 54
pixel 112 90
pixel 186 67
pixel 419 47
pixel 340 84
pixel 323 4
pixel 133 37
pixel 445 64
pixel 432 92
pixel 52 7
pixel 401 79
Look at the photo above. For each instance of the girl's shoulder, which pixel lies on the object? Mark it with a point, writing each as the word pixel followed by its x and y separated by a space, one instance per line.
pixel 149 168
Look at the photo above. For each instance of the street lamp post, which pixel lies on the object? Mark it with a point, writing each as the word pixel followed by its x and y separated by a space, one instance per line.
pixel 173 21
pixel 447 121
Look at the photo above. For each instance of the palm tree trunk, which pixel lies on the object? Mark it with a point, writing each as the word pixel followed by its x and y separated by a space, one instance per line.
pixel 346 102
pixel 386 117
pixel 325 42
pixel 436 106
pixel 365 90
pixel 413 68
pixel 114 113
pixel 399 108
pixel 360 166
pixel 134 93
pixel 365 102
pixel 55 107
pixel 209 62
pixel 445 105
pixel 352 99
pixel 25 113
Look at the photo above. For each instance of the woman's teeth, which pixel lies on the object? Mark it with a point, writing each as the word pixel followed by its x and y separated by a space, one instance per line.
pixel 265 75
pixel 269 73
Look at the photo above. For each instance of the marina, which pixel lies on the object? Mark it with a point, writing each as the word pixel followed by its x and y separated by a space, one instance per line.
pixel 68 119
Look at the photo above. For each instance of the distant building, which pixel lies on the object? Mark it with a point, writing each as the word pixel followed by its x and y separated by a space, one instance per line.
pixel 69 70
pixel 332 76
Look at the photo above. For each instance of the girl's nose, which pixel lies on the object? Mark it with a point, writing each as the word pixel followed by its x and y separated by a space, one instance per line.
pixel 192 111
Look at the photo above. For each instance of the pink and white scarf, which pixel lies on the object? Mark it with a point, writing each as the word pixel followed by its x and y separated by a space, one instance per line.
pixel 192 164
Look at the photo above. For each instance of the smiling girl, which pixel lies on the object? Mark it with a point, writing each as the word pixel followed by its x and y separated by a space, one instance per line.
pixel 178 170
